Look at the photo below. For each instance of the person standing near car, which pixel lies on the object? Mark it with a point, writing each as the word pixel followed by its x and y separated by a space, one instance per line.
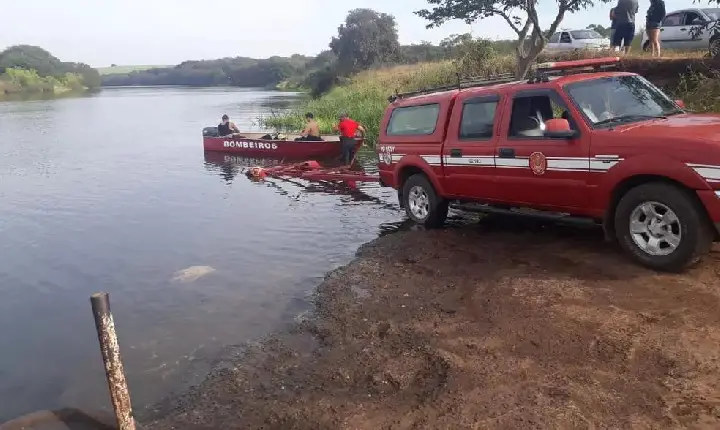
pixel 655 16
pixel 625 12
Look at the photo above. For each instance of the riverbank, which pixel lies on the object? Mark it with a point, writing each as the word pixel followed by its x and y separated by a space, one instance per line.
pixel 364 96
pixel 501 324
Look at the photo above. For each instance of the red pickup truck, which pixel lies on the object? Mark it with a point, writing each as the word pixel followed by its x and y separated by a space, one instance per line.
pixel 575 140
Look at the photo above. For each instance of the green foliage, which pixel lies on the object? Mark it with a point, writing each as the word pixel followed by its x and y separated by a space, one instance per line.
pixel 364 97
pixel 238 71
pixel 16 81
pixel 520 15
pixel 603 31
pixel 367 38
pixel 700 93
pixel 25 68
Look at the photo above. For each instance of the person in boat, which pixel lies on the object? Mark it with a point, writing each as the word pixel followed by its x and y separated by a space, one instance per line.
pixel 311 133
pixel 348 129
pixel 227 127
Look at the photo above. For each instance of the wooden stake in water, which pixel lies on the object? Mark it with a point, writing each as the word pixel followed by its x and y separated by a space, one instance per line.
pixel 110 350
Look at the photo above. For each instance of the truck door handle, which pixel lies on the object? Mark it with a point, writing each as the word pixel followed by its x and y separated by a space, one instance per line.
pixel 507 153
pixel 456 152
pixel 683 29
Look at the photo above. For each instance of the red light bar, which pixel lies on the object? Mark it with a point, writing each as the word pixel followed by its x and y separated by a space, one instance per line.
pixel 564 65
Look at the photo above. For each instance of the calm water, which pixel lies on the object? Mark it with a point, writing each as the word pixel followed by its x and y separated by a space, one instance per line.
pixel 113 192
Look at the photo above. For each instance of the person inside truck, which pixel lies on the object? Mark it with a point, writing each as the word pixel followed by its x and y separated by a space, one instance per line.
pixel 529 115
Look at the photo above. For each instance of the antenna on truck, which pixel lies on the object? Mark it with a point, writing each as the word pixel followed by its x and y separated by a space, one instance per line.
pixel 472 82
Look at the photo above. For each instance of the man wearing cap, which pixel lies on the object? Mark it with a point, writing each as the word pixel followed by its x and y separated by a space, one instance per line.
pixel 347 129
pixel 227 127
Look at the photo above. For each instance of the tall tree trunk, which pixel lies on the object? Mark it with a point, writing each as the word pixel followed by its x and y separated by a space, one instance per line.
pixel 526 57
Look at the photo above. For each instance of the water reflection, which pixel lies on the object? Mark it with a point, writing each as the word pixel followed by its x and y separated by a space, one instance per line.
pixel 83 209
pixel 228 166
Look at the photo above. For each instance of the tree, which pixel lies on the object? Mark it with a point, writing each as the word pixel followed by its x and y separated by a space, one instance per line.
pixel 604 32
pixel 365 39
pixel 520 15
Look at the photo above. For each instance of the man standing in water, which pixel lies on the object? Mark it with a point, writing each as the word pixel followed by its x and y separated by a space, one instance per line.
pixel 625 12
pixel 227 127
pixel 348 128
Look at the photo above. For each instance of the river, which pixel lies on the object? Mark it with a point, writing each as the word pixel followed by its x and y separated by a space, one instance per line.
pixel 112 192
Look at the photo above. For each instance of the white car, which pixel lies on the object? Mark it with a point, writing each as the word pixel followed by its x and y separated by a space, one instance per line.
pixel 679 30
pixel 572 40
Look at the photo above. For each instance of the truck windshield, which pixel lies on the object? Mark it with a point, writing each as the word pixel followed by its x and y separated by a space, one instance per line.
pixel 585 34
pixel 620 99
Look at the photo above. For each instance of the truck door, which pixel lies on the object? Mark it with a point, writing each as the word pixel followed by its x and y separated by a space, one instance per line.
pixel 468 152
pixel 535 170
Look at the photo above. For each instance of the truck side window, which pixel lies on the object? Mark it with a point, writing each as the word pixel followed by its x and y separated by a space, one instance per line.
pixel 477 120
pixel 565 37
pixel 555 38
pixel 529 113
pixel 413 120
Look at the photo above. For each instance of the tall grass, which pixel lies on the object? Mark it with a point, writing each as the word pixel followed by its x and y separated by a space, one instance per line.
pixel 364 97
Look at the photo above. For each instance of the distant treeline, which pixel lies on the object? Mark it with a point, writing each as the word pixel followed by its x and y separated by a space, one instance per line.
pixel 26 68
pixel 293 72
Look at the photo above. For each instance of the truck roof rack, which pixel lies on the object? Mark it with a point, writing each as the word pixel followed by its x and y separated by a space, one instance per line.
pixel 544 71
pixel 472 82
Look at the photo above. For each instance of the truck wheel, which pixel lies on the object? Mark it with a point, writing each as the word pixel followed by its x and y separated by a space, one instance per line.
pixel 646 46
pixel 422 204
pixel 662 227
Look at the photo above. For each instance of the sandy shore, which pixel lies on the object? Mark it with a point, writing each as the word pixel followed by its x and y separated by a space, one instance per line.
pixel 484 326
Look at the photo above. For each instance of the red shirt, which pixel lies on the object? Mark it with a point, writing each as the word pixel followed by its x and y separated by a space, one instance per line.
pixel 347 127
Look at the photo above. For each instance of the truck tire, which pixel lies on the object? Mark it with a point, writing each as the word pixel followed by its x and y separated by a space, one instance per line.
pixel 646 46
pixel 422 204
pixel 662 227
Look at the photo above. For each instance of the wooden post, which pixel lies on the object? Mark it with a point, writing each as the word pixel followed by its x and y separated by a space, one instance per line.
pixel 110 350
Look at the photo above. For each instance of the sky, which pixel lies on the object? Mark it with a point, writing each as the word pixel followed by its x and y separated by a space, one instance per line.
pixel 165 32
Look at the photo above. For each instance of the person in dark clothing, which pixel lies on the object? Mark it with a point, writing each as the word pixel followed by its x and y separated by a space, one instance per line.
pixel 347 129
pixel 655 16
pixel 227 127
pixel 612 24
pixel 624 12
pixel 312 130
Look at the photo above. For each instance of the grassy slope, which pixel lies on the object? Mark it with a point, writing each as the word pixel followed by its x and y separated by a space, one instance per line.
pixel 364 98
pixel 124 69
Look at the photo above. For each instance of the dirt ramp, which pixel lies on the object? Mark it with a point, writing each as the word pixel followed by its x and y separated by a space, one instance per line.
pixel 502 325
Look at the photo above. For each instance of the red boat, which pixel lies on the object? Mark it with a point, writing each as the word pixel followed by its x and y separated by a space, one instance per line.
pixel 277 146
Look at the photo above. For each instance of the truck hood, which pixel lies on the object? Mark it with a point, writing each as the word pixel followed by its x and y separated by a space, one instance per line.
pixel 684 126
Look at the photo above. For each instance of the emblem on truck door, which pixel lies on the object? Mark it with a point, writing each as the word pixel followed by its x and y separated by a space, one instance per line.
pixel 385 154
pixel 538 163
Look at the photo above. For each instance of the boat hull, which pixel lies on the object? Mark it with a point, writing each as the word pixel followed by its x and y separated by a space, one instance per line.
pixel 275 148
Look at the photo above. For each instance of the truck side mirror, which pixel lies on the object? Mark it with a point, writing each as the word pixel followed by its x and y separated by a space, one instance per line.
pixel 680 103
pixel 559 128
